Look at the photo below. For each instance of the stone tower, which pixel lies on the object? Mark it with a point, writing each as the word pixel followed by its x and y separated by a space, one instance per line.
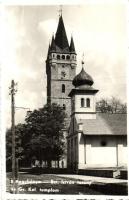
pixel 60 68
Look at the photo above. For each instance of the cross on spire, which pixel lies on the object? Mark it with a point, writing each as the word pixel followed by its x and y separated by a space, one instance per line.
pixel 82 59
pixel 60 11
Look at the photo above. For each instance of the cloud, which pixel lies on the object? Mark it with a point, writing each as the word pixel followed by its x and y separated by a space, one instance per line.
pixel 48 26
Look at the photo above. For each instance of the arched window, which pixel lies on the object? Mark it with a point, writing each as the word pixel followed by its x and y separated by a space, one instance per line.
pixel 64 107
pixel 63 57
pixel 63 88
pixel 88 102
pixel 82 102
pixel 58 57
pixel 67 57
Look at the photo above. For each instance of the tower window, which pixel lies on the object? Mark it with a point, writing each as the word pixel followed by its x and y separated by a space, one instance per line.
pixel 58 57
pixel 64 107
pixel 63 57
pixel 53 55
pixel 82 102
pixel 88 102
pixel 67 57
pixel 63 88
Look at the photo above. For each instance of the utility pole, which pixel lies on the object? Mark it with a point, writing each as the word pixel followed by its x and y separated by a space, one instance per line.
pixel 12 93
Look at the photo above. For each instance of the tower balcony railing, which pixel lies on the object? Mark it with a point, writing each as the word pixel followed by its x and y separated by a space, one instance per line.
pixel 61 61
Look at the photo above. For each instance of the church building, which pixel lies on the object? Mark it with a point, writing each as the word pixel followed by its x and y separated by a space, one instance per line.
pixel 94 139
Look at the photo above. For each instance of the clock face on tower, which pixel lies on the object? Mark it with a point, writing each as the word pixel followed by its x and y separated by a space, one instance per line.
pixel 63 73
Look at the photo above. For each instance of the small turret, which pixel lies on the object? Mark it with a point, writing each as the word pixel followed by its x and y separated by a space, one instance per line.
pixel 53 45
pixel 83 96
pixel 72 47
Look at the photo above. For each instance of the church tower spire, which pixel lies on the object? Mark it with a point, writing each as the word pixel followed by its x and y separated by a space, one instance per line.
pixel 61 37
pixel 60 69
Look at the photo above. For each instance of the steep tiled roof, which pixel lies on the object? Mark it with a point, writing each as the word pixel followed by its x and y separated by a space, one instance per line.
pixel 72 47
pixel 48 50
pixel 105 124
pixel 53 45
pixel 59 50
pixel 61 38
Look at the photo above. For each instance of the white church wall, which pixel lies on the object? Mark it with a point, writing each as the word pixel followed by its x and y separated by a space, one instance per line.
pixel 81 158
pixel 122 152
pixel 78 107
pixel 124 156
pixel 94 154
pixel 87 116
pixel 98 155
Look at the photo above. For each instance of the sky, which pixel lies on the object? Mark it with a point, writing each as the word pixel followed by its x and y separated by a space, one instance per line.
pixel 99 31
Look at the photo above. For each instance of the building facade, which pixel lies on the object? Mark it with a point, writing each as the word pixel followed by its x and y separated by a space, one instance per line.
pixel 95 140
pixel 91 136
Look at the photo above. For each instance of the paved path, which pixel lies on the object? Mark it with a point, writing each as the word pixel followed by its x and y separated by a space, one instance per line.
pixel 92 179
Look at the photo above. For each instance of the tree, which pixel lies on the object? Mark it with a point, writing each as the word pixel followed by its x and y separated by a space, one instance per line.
pixel 46 127
pixel 112 105
pixel 102 105
pixel 41 136
pixel 117 106
pixel 19 132
pixel 123 108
